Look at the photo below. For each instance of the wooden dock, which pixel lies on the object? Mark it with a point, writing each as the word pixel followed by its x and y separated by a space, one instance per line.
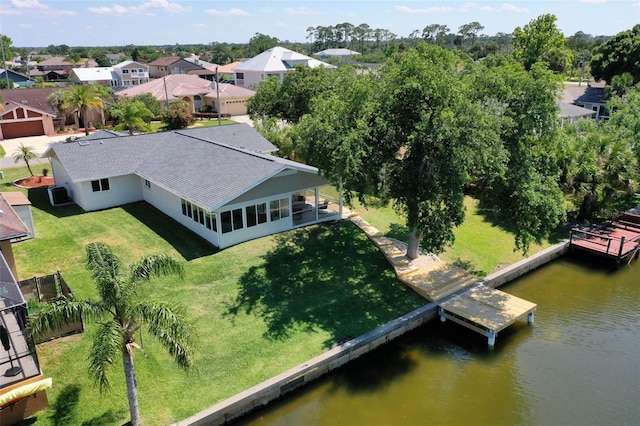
pixel 486 310
pixel 617 240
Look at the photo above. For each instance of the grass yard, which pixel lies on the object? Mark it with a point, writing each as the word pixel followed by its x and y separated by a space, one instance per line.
pixel 480 247
pixel 259 308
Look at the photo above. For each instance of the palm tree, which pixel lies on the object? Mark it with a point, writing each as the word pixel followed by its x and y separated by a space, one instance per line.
pixel 134 115
pixel 120 314
pixel 84 98
pixel 56 100
pixel 26 154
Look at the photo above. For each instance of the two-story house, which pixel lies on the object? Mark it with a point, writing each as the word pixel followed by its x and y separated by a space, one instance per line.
pixel 131 73
pixel 165 66
pixel 275 62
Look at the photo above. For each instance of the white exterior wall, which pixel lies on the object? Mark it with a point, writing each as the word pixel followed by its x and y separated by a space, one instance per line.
pixel 252 78
pixel 171 205
pixel 122 190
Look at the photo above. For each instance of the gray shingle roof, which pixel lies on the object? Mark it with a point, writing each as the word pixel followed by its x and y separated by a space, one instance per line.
pixel 206 171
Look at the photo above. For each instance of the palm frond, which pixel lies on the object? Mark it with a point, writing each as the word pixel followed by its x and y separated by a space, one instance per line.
pixel 106 348
pixel 106 271
pixel 154 266
pixel 57 314
pixel 168 324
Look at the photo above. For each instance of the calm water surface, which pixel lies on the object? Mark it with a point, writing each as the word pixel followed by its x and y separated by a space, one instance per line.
pixel 579 364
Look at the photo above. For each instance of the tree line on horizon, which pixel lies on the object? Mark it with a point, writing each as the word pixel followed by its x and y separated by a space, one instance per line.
pixel 375 45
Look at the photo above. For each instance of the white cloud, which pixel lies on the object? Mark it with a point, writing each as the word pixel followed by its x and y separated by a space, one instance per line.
pixel 636 4
pixel 148 8
pixel 299 11
pixel 593 1
pixel 25 26
pixel 26 7
pixel 230 12
pixel 506 7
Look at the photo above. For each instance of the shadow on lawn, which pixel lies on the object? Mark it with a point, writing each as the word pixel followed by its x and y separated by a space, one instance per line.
pixel 65 409
pixel 326 277
pixel 187 243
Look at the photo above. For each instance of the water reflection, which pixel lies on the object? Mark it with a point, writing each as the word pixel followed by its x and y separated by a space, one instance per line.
pixel 578 364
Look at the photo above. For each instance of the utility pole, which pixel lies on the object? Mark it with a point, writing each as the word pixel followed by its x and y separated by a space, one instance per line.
pixel 166 96
pixel 218 96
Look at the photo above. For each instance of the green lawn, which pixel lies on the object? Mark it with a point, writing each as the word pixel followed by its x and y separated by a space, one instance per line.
pixel 259 308
pixel 157 126
pixel 480 246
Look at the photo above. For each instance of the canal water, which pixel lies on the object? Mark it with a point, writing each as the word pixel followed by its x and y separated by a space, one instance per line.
pixel 578 364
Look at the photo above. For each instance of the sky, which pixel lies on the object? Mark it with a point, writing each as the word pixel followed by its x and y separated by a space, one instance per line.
pixel 39 23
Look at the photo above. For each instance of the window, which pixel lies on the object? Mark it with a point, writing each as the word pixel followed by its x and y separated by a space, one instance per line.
pixel 252 218
pixel 274 206
pixel 225 218
pixel 279 209
pixel 148 185
pixel 240 75
pixel 237 219
pixel 125 71
pixel 100 185
pixel 262 213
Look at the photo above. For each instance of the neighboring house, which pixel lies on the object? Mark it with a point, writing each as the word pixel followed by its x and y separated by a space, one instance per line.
pixel 58 68
pixel 22 207
pixel 196 92
pixel 51 75
pixel 131 73
pixel 589 95
pixel 104 76
pixel 17 79
pixel 59 63
pixel 114 58
pixel 227 73
pixel 570 113
pixel 19 120
pixel 124 74
pixel 165 66
pixel 275 62
pixel 216 181
pixel 336 53
pixel 36 98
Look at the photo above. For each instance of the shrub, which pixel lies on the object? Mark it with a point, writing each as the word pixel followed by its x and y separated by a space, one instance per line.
pixel 177 116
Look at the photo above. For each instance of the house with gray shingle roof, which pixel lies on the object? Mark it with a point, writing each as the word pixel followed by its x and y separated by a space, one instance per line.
pixel 219 182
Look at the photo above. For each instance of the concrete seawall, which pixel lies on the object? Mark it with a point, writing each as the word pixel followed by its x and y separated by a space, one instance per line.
pixel 269 390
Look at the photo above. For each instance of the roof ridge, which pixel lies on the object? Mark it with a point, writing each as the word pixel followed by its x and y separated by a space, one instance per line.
pixel 224 145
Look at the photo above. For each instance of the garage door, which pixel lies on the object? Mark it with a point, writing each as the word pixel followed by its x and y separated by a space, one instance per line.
pixel 22 129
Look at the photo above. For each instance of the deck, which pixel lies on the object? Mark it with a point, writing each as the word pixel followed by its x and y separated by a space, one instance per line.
pixel 618 239
pixel 486 310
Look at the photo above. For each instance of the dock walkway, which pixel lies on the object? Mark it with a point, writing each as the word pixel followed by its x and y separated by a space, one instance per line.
pixel 618 239
pixel 462 298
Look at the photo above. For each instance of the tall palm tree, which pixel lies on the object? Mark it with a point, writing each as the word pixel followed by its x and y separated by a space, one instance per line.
pixel 119 313
pixel 26 154
pixel 56 100
pixel 84 98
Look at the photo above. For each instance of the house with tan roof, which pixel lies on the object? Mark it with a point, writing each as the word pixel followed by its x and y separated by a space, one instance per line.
pixel 219 182
pixel 224 98
pixel 275 62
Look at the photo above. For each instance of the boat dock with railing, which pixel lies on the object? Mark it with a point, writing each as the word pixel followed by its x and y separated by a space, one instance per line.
pixel 618 239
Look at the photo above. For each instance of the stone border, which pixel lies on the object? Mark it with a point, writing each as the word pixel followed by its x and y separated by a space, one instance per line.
pixel 271 389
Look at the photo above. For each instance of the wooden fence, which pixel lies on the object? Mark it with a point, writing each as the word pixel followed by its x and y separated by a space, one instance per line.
pixel 46 289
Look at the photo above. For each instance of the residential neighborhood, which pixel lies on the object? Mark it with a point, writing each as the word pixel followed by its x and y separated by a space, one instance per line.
pixel 227 218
